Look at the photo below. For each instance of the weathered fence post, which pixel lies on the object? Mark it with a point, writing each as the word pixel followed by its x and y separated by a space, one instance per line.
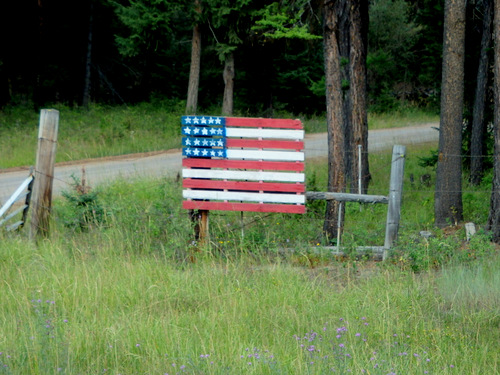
pixel 395 197
pixel 44 173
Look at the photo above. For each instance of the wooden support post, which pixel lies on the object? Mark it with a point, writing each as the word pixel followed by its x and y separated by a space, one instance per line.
pixel 44 173
pixel 395 197
pixel 203 226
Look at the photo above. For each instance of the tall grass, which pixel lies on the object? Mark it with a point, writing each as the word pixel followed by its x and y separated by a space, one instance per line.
pixel 86 305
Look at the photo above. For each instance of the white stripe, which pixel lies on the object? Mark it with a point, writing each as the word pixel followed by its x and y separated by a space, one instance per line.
pixel 264 155
pixel 264 133
pixel 243 196
pixel 243 175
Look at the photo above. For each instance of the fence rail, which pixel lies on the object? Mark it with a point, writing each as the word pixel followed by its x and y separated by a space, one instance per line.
pixel 6 215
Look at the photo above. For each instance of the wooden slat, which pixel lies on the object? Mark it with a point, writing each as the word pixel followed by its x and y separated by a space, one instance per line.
pixel 264 133
pixel 250 207
pixel 243 175
pixel 265 155
pixel 257 143
pixel 264 122
pixel 243 185
pixel 15 196
pixel 243 164
pixel 243 196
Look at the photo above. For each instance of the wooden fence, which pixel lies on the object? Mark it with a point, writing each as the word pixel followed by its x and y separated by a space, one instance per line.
pixel 393 200
pixel 12 210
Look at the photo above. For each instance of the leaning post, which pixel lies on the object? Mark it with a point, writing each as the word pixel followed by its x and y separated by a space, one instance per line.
pixel 44 173
pixel 395 197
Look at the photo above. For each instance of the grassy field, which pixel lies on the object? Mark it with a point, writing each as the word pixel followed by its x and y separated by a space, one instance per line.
pixel 120 287
pixel 110 131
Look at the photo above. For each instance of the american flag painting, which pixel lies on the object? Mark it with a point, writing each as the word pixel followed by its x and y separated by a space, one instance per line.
pixel 243 164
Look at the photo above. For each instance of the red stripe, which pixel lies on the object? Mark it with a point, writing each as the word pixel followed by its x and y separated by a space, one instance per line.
pixel 243 185
pixel 256 143
pixel 243 164
pixel 264 122
pixel 252 207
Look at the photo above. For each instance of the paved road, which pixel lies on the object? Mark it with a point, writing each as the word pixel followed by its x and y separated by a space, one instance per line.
pixel 168 163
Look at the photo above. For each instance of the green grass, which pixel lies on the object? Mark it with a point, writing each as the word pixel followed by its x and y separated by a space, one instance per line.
pixel 131 293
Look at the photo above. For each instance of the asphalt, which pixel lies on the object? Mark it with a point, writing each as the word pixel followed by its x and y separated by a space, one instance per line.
pixel 168 163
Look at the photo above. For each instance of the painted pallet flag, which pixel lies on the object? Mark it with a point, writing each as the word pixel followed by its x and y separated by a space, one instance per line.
pixel 243 164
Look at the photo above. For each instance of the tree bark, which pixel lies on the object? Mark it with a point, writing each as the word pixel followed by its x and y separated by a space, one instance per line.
pixel 335 118
pixel 494 216
pixel 358 31
pixel 478 125
pixel 88 62
pixel 227 102
pixel 194 73
pixel 448 207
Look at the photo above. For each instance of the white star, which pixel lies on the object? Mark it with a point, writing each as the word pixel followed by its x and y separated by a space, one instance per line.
pixel 196 152
pixel 221 153
pixel 196 142
pixel 196 130
pixel 204 131
pixel 213 143
pixel 188 142
pixel 212 131
pixel 203 120
pixel 210 120
pixel 196 120
pixel 217 121
pixel 219 131
pixel 204 152
pixel 188 151
pixel 220 143
pixel 187 130
pixel 212 153
pixel 188 120
pixel 204 143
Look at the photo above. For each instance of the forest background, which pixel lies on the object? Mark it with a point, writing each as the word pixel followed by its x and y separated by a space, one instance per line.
pixel 124 52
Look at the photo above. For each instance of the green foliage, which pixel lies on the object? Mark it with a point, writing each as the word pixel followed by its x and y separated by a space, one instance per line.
pixel 84 210
pixel 284 20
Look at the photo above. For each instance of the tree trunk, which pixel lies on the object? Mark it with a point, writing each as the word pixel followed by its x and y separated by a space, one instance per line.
pixel 194 73
pixel 478 125
pixel 358 81
pixel 448 207
pixel 334 117
pixel 88 62
pixel 228 75
pixel 494 216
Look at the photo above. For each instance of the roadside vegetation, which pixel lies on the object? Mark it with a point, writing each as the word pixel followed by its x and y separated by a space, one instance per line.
pixel 104 131
pixel 120 287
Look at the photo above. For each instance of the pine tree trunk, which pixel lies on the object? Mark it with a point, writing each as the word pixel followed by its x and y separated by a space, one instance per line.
pixel 227 102
pixel 358 81
pixel 335 118
pixel 494 216
pixel 478 126
pixel 448 207
pixel 88 62
pixel 194 73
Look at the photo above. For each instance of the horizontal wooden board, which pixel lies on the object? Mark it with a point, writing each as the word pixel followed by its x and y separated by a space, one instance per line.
pixel 243 175
pixel 243 185
pixel 262 144
pixel 265 155
pixel 244 164
pixel 264 133
pixel 249 207
pixel 243 196
pixel 264 122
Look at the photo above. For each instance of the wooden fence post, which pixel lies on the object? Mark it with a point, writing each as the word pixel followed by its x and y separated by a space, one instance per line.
pixel 44 173
pixel 395 197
